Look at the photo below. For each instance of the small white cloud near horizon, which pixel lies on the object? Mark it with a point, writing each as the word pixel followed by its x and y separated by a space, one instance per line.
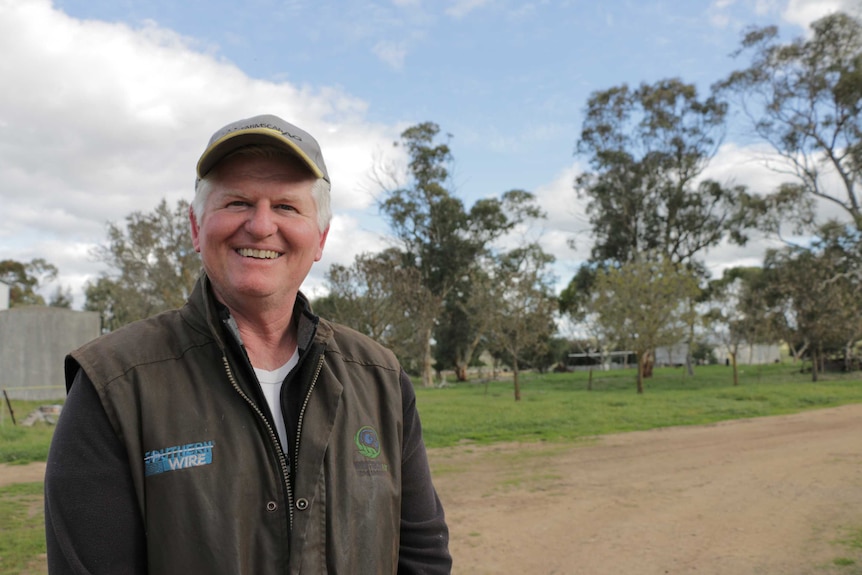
pixel 393 54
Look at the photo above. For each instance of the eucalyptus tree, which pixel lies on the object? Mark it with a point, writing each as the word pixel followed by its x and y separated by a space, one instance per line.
pixel 642 305
pixel 803 98
pixel 819 291
pixel 462 330
pixel 377 296
pixel 522 318
pixel 152 266
pixel 738 311
pixel 437 235
pixel 26 278
pixel 647 149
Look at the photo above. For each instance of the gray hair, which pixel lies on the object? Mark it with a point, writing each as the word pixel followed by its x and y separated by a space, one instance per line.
pixel 320 190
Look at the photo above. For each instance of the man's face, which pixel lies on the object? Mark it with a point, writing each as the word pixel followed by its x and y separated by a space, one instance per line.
pixel 258 234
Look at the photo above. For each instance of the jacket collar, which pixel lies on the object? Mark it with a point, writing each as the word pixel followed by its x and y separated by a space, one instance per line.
pixel 208 314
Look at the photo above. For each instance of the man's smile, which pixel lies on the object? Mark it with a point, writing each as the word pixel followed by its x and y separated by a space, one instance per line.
pixel 258 254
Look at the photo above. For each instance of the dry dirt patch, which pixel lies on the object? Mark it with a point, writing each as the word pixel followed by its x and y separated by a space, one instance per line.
pixel 767 495
pixel 29 473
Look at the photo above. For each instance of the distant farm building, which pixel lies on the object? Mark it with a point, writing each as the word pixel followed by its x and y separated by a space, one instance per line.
pixel 756 354
pixel 34 341
pixel 675 355
pixel 602 361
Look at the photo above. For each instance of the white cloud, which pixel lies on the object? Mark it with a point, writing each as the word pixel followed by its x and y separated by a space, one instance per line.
pixel 461 8
pixel 761 170
pixel 566 213
pixel 750 166
pixel 99 119
pixel 744 165
pixel 804 12
pixel 566 222
pixel 391 53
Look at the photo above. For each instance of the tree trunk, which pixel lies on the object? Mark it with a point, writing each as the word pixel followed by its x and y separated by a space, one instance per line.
pixel 797 353
pixel 735 368
pixel 515 378
pixel 427 379
pixel 461 372
pixel 648 363
pixel 642 361
pixel 815 360
pixel 689 360
pixel 464 363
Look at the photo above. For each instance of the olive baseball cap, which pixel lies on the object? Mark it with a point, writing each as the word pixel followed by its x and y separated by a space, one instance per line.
pixel 265 129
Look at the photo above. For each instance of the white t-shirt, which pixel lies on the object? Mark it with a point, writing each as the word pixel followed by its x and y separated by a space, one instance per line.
pixel 270 383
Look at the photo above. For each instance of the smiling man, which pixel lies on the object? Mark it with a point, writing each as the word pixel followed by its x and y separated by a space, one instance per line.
pixel 242 433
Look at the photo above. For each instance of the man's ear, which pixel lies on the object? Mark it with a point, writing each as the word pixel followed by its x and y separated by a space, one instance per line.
pixel 322 243
pixel 193 222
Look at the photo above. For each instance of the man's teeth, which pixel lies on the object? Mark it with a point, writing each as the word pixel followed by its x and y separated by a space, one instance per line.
pixel 260 254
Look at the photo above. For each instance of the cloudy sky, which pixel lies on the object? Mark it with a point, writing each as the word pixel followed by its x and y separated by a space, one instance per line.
pixel 106 104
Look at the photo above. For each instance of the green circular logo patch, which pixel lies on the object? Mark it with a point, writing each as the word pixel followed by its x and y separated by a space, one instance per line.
pixel 367 441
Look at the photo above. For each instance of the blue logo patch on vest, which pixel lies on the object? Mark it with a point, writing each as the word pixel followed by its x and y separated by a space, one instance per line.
pixel 178 457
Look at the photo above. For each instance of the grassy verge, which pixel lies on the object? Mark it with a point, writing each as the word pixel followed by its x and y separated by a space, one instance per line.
pixel 21 444
pixel 568 406
pixel 22 529
pixel 561 407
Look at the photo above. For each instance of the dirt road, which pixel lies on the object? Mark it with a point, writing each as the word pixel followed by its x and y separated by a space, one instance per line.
pixel 770 496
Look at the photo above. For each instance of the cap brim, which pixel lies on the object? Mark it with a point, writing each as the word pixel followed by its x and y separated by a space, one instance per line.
pixel 235 140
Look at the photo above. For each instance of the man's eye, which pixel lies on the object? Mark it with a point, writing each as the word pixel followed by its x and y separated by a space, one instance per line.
pixel 237 203
pixel 286 207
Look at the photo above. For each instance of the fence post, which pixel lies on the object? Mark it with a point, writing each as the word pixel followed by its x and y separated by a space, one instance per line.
pixel 9 405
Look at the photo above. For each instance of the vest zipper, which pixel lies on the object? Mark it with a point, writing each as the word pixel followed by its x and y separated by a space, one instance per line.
pixel 282 459
pixel 302 413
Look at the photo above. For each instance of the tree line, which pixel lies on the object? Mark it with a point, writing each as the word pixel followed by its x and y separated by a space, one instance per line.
pixel 460 281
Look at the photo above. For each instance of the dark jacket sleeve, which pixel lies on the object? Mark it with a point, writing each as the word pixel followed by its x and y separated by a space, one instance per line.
pixel 92 520
pixel 424 534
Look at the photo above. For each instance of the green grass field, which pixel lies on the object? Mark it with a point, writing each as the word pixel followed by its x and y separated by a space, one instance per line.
pixel 560 407
pixel 22 529
pixel 554 408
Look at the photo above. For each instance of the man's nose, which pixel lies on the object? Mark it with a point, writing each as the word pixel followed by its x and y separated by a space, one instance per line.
pixel 261 222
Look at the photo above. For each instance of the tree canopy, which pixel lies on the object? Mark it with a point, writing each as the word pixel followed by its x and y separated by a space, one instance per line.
pixel 26 278
pixel 522 316
pixel 803 98
pixel 647 148
pixel 152 266
pixel 641 304
pixel 437 235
